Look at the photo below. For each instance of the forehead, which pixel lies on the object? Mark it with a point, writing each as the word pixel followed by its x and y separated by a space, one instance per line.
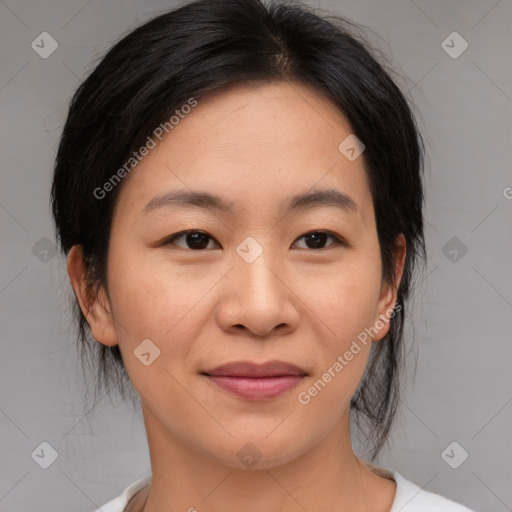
pixel 271 113
pixel 253 142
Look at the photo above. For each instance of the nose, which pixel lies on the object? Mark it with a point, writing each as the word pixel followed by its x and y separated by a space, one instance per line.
pixel 257 297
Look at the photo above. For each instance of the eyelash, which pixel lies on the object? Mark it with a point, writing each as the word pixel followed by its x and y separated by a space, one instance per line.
pixel 338 241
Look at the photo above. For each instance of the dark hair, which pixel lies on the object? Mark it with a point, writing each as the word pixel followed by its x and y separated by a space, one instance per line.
pixel 201 47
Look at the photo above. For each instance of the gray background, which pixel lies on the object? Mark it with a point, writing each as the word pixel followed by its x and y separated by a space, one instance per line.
pixel 462 316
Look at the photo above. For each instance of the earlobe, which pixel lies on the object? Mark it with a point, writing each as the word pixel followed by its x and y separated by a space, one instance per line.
pixel 389 292
pixel 92 299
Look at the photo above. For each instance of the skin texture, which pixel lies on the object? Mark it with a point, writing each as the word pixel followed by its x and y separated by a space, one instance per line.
pixel 255 145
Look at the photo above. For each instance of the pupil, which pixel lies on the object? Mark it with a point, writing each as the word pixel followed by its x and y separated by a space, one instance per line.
pixel 320 237
pixel 197 240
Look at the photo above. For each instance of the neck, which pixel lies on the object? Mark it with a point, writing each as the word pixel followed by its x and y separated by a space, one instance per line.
pixel 329 476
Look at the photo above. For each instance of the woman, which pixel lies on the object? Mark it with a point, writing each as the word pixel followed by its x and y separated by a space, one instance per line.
pixel 238 191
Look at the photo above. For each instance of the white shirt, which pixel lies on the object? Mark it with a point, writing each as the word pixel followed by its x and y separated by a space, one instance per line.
pixel 408 498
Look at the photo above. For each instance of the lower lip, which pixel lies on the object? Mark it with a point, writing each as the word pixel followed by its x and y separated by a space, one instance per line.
pixel 252 388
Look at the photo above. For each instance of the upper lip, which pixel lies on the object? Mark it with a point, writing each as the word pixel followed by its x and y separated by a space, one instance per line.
pixel 250 369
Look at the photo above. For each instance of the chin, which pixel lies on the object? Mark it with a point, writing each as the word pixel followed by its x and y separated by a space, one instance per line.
pixel 259 452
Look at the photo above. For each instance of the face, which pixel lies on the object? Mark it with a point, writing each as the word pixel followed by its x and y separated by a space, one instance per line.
pixel 282 265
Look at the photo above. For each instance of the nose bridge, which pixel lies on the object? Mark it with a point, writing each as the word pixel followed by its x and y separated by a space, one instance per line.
pixel 255 297
pixel 256 265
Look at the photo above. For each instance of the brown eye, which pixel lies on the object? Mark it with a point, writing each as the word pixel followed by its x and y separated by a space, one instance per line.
pixel 318 239
pixel 195 240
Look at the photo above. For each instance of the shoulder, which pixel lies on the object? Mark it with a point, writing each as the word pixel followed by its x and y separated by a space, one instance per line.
pixel 412 498
pixel 118 504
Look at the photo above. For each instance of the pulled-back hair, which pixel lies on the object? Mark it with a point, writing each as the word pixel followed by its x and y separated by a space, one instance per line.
pixel 204 46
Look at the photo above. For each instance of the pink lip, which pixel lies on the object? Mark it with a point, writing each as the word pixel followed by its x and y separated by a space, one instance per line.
pixel 256 382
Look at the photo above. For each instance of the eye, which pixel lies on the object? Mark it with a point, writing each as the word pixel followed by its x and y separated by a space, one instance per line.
pixel 198 240
pixel 317 239
pixel 195 240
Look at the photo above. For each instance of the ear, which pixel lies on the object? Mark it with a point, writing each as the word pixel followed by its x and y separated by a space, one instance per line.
pixel 93 299
pixel 389 292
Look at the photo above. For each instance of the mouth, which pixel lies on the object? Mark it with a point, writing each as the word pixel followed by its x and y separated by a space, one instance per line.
pixel 256 382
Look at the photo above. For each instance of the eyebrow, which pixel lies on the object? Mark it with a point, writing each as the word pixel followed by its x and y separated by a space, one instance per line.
pixel 206 200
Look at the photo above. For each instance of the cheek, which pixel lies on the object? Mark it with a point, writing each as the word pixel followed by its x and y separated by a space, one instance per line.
pixel 345 306
pixel 345 297
pixel 162 306
pixel 343 342
pixel 168 305
pixel 151 296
